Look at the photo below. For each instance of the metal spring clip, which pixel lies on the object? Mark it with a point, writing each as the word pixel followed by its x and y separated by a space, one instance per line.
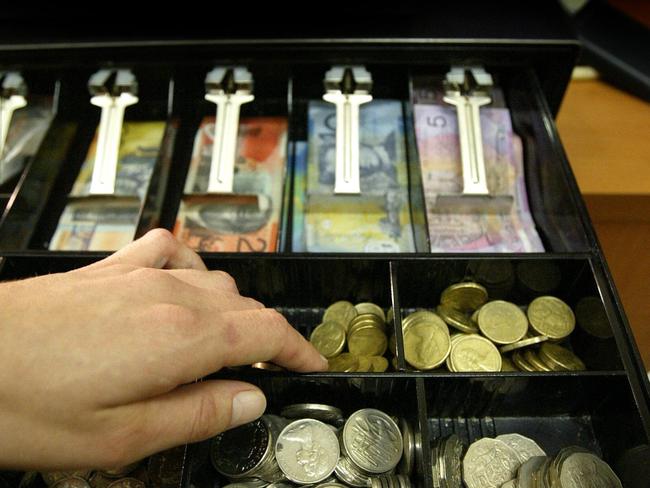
pixel 112 90
pixel 347 87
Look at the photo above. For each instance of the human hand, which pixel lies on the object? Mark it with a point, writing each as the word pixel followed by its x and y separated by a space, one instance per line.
pixel 97 364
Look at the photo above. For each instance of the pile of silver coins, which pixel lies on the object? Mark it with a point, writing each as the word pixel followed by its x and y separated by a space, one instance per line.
pixel 515 461
pixel 314 444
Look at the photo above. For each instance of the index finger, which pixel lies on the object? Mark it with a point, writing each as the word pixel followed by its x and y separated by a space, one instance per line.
pixel 244 337
pixel 158 248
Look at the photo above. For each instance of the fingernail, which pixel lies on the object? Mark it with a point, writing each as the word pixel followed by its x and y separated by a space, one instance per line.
pixel 247 406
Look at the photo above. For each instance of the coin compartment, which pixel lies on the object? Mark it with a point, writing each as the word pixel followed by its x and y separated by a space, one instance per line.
pixel 518 280
pixel 591 410
pixel 43 194
pixel 395 396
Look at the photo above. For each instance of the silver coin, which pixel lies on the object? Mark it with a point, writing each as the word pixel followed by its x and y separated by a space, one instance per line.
pixel 254 439
pixel 489 463
pixel 349 474
pixel 278 484
pixel 372 440
pixel 510 484
pixel 524 447
pixel 408 456
pixel 330 484
pixel 452 450
pixel 307 451
pixel 586 470
pixel 317 411
pixel 526 472
pixel 71 482
pixel 249 483
pixel 127 483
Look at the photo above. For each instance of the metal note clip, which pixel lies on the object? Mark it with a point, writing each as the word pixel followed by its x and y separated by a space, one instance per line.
pixel 468 89
pixel 347 87
pixel 229 88
pixel 112 90
pixel 12 97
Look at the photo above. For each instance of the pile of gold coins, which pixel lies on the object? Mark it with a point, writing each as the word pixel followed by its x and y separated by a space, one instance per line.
pixel 469 333
pixel 352 337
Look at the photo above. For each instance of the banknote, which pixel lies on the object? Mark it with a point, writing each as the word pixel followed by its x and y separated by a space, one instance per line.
pixel 96 224
pixel 438 146
pixel 139 148
pixel 249 219
pixel 298 243
pixel 90 223
pixel 28 127
pixel 377 220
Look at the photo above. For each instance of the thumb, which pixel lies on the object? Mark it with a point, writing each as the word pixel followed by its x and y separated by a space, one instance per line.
pixel 190 413
pixel 158 248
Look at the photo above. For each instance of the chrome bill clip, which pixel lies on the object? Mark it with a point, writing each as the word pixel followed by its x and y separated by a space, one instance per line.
pixel 112 90
pixel 468 89
pixel 229 88
pixel 347 87
pixel 12 97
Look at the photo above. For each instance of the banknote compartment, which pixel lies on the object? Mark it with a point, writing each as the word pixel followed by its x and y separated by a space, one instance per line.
pixel 28 125
pixel 590 410
pixel 551 191
pixel 44 192
pixel 314 195
pixel 517 280
pixel 271 89
pixel 392 395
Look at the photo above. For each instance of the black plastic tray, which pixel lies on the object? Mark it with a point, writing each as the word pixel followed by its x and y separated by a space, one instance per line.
pixel 606 409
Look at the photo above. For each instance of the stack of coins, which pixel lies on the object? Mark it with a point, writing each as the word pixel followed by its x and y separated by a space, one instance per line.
pixel 515 461
pixel 352 337
pixel 445 462
pixel 469 333
pixel 317 446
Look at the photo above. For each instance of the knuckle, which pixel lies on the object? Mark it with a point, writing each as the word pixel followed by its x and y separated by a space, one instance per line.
pixel 161 235
pixel 205 419
pixel 227 280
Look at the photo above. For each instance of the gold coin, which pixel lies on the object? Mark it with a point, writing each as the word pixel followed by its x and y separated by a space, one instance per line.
pixel 507 365
pixel 390 315
pixel 551 317
pixel 559 358
pixel 367 341
pixel 344 363
pixel 366 319
pixel 466 296
pixel 426 344
pixel 394 363
pixel 528 341
pixel 368 307
pixel 417 316
pixel 267 366
pixel 502 322
pixel 392 345
pixel 521 363
pixel 592 317
pixel 474 316
pixel 342 312
pixel 365 365
pixel 379 364
pixel 454 339
pixel 472 352
pixel 328 338
pixel 456 319
pixel 534 360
